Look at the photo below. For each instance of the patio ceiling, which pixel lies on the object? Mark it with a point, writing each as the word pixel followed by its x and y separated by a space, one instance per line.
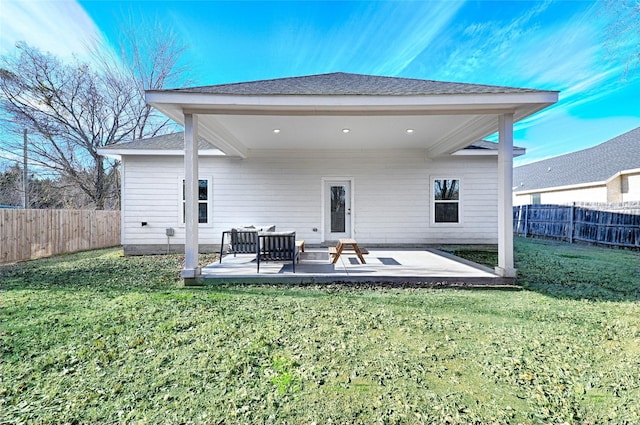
pixel 333 132
pixel 439 124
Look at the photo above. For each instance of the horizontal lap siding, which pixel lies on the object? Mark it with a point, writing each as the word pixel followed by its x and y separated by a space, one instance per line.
pixel 392 195
pixel 589 194
pixel 479 192
pixel 632 188
pixel 150 194
pixel 267 191
pixel 392 210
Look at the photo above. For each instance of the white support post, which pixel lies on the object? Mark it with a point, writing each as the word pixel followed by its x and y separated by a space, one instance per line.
pixel 505 202
pixel 191 269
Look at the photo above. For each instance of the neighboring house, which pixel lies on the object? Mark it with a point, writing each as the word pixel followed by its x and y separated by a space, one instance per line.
pixel 608 172
pixel 388 161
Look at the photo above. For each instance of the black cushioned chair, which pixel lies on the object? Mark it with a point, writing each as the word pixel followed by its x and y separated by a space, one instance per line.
pixel 241 242
pixel 277 246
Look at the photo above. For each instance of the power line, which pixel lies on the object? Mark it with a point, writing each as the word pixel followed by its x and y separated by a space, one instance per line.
pixel 6 150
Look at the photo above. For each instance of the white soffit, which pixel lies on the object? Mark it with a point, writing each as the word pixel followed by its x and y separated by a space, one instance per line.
pixel 326 132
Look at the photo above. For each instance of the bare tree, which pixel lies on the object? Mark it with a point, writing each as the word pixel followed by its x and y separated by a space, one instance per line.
pixel 623 31
pixel 43 192
pixel 11 186
pixel 148 58
pixel 70 111
pixel 73 109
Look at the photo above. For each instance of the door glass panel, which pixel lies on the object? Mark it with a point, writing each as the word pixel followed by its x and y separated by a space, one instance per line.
pixel 338 209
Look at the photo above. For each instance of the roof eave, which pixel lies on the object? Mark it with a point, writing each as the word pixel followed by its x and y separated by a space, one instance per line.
pixel 118 153
pixel 203 103
pixel 483 105
pixel 487 152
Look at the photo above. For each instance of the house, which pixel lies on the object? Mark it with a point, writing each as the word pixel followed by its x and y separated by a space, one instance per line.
pixel 608 172
pixel 389 161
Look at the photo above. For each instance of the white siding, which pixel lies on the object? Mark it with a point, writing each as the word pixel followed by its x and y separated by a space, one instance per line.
pixel 587 194
pixel 521 199
pixel 565 196
pixel 632 184
pixel 392 195
pixel 611 192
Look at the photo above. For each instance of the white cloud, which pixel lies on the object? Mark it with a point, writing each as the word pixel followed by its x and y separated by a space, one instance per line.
pixel 370 37
pixel 61 27
pixel 419 30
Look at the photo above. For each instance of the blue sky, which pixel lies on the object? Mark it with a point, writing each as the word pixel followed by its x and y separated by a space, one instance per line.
pixel 551 45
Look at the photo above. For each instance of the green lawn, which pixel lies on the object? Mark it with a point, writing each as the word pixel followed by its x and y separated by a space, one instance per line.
pixel 96 337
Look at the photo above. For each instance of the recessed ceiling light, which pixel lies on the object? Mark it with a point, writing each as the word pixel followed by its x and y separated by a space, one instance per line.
pixel 276 130
pixel 409 130
pixel 345 130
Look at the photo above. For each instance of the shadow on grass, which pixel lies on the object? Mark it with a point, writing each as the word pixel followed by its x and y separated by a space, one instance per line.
pixel 312 290
pixel 568 271
pixel 577 271
pixel 99 270
pixel 556 269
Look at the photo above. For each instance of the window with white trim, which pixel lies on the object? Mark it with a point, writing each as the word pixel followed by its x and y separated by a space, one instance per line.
pixel 535 199
pixel 204 200
pixel 446 200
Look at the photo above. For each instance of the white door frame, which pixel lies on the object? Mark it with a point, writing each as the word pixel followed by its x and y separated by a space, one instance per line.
pixel 351 215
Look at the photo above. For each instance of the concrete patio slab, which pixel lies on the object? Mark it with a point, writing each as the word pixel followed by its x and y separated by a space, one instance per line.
pixel 382 265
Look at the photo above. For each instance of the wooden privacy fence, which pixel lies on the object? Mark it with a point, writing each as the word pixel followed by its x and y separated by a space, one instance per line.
pixel 28 234
pixel 615 224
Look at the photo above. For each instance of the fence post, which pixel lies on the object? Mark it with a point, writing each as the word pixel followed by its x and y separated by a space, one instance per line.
pixel 573 209
pixel 526 220
pixel 25 172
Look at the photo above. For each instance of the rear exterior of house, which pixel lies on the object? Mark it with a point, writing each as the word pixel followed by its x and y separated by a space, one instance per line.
pixel 381 198
pixel 386 160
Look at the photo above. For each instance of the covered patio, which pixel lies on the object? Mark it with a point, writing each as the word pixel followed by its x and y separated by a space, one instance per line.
pixel 384 264
pixel 367 115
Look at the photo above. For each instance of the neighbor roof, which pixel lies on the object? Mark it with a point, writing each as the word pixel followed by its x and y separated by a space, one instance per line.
pixel 596 164
pixel 341 83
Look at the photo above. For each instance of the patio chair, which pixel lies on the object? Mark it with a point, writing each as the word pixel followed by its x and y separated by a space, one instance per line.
pixel 241 242
pixel 277 246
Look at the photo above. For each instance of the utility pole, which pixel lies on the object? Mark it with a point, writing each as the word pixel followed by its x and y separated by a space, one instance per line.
pixel 25 175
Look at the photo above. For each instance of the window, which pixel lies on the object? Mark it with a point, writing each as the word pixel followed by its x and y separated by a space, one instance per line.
pixel 203 201
pixel 624 184
pixel 446 200
pixel 535 199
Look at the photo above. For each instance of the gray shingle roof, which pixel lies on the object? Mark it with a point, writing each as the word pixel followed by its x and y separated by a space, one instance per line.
pixel 340 83
pixel 485 144
pixel 596 164
pixel 172 141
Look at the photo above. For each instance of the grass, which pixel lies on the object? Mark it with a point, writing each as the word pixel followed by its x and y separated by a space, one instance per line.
pixel 575 271
pixel 96 337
